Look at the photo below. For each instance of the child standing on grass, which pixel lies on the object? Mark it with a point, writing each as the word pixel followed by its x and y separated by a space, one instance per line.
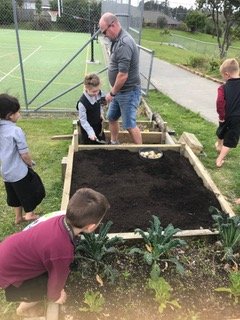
pixel 23 186
pixel 36 262
pixel 90 110
pixel 228 109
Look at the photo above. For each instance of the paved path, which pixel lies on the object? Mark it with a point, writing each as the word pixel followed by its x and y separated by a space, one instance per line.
pixel 187 89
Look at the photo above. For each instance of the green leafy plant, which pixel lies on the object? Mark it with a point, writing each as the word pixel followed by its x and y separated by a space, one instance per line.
pixel 94 300
pixel 159 243
pixel 229 231
pixel 234 288
pixel 162 291
pixel 96 248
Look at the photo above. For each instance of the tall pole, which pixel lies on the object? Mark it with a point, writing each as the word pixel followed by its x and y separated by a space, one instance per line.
pixel 19 53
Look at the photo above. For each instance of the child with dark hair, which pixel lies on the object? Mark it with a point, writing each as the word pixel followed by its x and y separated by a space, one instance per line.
pixel 90 110
pixel 35 262
pixel 23 186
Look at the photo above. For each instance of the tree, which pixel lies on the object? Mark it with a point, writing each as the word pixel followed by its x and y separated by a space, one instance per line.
pixel 195 20
pixel 6 12
pixel 225 14
pixel 38 7
pixel 161 22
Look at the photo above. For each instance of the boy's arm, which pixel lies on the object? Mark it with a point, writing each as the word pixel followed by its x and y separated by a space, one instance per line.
pixel 27 159
pixel 84 123
pixel 58 271
pixel 221 104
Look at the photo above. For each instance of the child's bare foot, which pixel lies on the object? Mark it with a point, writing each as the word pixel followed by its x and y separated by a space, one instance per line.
pixel 218 147
pixel 19 220
pixel 237 201
pixel 30 216
pixel 34 310
pixel 219 163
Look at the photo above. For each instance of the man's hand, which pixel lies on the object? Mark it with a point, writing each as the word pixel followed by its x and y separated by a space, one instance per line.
pixel 108 97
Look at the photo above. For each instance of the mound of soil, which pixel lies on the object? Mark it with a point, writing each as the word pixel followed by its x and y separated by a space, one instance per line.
pixel 137 189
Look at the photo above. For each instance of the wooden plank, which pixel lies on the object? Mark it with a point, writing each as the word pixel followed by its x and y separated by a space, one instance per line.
pixel 182 233
pixel 64 166
pixel 140 123
pixel 130 147
pixel 62 137
pixel 191 140
pixel 68 178
pixel 149 112
pixel 52 311
pixel 75 140
pixel 147 137
pixel 207 180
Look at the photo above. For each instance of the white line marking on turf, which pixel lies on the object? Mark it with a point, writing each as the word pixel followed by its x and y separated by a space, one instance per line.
pixel 19 63
pixel 58 35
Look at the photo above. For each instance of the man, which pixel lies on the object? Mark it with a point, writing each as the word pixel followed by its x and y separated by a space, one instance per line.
pixel 123 73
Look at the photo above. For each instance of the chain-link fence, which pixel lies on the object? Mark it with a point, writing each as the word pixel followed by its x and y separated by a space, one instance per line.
pixel 48 46
pixel 203 47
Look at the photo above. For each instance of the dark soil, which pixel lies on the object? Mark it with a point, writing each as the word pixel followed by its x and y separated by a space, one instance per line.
pixel 137 189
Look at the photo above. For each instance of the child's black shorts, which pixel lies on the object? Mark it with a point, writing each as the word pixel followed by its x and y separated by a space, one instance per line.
pixel 30 290
pixel 27 192
pixel 229 132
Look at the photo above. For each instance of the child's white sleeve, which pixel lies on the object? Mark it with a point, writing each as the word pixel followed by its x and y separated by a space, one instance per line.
pixel 20 140
pixel 83 120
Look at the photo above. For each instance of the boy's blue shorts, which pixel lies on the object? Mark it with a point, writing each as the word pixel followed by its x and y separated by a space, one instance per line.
pixel 125 105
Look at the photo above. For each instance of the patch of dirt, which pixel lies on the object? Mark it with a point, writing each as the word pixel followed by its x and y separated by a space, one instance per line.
pixel 137 189
pixel 129 297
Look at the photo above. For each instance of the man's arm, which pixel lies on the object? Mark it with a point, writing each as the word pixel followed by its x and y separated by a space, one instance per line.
pixel 119 83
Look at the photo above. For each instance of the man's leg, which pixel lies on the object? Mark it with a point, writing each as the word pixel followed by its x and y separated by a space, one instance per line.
pixel 136 135
pixel 114 129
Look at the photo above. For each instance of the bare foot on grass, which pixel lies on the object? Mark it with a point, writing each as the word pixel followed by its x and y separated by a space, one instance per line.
pixel 237 201
pixel 20 220
pixel 30 216
pixel 219 163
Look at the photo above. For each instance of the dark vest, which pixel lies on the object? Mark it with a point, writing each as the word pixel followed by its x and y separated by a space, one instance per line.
pixel 93 111
pixel 232 97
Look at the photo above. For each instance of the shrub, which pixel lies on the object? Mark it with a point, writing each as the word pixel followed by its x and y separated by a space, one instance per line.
pixel 41 23
pixel 198 62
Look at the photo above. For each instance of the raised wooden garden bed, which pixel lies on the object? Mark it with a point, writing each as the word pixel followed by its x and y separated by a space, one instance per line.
pixel 177 187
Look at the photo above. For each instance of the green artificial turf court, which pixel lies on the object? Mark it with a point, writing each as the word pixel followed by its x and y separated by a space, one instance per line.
pixel 44 53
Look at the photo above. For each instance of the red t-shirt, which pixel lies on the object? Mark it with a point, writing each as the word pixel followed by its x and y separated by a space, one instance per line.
pixel 46 247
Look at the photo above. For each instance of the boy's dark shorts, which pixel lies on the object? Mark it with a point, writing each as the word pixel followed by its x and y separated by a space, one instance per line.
pixel 229 132
pixel 30 290
pixel 27 192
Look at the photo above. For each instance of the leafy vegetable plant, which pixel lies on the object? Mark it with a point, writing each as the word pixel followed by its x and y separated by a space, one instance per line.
pixel 229 231
pixel 94 300
pixel 234 289
pixel 95 248
pixel 159 243
pixel 162 291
